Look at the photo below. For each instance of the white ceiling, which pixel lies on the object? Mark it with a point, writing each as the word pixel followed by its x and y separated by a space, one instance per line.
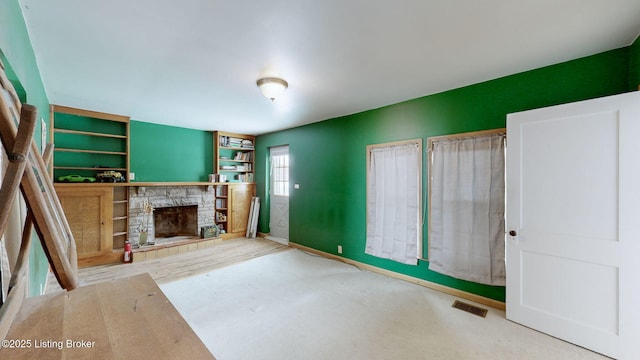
pixel 194 63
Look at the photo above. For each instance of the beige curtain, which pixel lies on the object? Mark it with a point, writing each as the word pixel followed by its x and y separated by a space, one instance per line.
pixel 466 238
pixel 393 201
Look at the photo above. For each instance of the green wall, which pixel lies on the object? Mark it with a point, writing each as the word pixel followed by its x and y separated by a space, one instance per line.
pixel 16 51
pixel 167 153
pixel 328 158
pixel 634 65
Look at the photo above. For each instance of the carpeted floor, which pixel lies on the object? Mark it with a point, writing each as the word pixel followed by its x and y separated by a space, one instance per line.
pixel 293 305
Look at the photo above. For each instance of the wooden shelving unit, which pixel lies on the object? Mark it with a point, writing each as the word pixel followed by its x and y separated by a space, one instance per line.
pixel 233 202
pixel 120 216
pixel 222 206
pixel 87 142
pixel 234 156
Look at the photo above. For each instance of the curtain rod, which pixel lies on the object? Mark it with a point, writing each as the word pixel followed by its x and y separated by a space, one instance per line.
pixel 467 135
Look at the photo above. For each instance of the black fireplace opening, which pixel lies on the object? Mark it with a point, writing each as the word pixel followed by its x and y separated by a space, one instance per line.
pixel 176 221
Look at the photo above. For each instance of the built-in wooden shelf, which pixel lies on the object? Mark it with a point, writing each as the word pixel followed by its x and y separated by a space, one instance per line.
pixel 88 168
pixel 87 142
pixel 237 148
pixel 95 184
pixel 89 133
pixel 234 150
pixel 91 152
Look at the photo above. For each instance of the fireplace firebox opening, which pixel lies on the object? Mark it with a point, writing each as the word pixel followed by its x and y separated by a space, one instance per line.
pixel 176 221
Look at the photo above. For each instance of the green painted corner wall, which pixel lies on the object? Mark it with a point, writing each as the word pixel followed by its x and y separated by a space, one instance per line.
pixel 328 158
pixel 634 65
pixel 161 153
pixel 17 52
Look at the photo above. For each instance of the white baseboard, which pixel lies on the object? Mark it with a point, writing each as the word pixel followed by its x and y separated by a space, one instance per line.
pixel 428 284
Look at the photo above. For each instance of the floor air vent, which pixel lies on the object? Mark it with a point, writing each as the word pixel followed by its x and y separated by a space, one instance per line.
pixel 470 308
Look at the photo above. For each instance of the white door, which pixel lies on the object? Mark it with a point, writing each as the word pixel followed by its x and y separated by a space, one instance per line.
pixel 573 206
pixel 279 194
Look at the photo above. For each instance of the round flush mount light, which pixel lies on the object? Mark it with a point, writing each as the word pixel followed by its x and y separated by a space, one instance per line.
pixel 272 87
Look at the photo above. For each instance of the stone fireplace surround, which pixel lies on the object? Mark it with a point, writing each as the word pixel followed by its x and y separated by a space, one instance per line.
pixel 169 196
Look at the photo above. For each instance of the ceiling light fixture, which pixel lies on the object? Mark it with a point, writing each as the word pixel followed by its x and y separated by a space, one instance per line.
pixel 272 87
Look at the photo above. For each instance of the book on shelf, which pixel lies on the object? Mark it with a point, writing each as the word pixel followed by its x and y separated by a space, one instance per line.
pixel 248 177
pixel 243 156
pixel 247 144
pixel 221 191
pixel 243 167
pixel 230 141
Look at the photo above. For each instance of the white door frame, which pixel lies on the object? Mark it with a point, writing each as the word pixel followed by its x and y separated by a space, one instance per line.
pixel 278 200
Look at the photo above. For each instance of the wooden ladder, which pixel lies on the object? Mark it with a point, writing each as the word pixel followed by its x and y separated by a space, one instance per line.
pixel 27 170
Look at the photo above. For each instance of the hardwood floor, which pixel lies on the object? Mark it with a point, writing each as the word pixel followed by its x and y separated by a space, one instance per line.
pixel 179 266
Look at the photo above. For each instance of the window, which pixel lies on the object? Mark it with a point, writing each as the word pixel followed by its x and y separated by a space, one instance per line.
pixel 394 181
pixel 466 206
pixel 280 171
